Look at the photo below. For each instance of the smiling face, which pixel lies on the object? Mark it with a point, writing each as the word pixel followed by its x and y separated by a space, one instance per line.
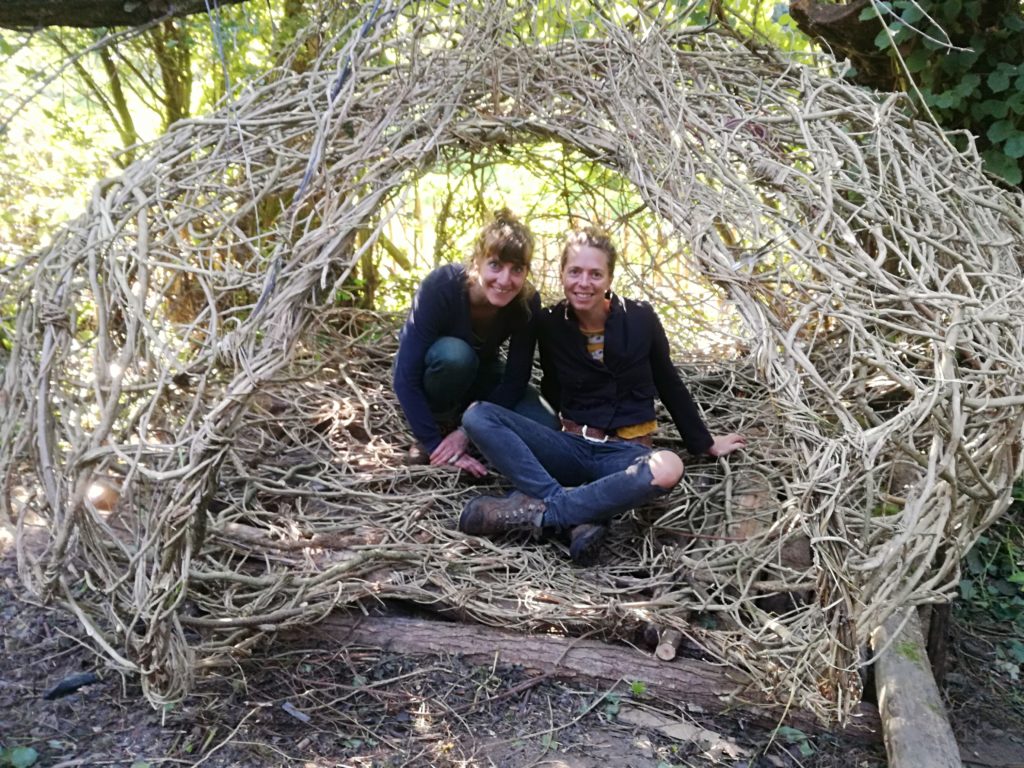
pixel 586 278
pixel 500 262
pixel 499 281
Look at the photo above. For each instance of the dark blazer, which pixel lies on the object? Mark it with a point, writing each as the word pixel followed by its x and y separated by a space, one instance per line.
pixel 619 391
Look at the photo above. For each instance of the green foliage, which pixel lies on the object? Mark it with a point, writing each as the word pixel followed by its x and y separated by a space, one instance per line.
pixel 795 737
pixel 992 587
pixel 967 63
pixel 18 757
pixel 75 100
pixel 612 705
pixel 908 651
pixel 637 689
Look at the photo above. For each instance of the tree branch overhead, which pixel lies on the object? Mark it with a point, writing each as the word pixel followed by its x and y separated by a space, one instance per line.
pixel 33 14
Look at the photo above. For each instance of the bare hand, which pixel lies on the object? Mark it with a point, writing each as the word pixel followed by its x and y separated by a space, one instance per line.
pixel 726 444
pixel 467 463
pixel 451 449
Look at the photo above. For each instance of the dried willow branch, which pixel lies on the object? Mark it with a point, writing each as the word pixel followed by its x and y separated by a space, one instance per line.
pixel 256 449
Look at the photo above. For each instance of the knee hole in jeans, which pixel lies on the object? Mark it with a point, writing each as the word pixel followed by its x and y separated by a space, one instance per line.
pixel 666 469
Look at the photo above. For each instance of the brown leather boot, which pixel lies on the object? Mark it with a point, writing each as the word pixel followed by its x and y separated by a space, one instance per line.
pixel 585 545
pixel 487 515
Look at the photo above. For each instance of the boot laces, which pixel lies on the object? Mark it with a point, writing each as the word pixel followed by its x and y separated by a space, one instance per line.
pixel 526 509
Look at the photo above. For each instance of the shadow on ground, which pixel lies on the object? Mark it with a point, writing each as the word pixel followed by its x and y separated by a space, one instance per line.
pixel 351 706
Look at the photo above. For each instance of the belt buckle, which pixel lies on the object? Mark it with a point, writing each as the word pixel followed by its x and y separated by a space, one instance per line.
pixel 593 439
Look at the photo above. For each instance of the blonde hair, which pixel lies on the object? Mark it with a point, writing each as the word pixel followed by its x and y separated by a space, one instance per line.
pixel 593 237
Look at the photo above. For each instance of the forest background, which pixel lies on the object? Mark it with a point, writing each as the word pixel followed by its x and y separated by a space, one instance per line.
pixel 79 103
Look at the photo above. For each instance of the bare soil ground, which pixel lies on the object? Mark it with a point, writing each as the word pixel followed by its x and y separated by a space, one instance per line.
pixel 355 706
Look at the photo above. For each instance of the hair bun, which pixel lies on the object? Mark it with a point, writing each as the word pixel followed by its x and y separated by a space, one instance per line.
pixel 504 217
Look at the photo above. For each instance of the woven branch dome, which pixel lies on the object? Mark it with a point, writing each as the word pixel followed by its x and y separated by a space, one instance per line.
pixel 180 340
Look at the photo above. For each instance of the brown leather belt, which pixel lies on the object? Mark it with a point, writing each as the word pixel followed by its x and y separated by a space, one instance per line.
pixel 598 435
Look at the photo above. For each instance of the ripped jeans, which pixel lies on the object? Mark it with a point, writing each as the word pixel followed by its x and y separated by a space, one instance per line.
pixel 580 481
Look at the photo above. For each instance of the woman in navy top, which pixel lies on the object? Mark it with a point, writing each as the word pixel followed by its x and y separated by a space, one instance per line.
pixel 604 359
pixel 448 352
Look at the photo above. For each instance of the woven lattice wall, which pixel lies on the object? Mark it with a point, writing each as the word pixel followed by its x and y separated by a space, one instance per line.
pixel 178 341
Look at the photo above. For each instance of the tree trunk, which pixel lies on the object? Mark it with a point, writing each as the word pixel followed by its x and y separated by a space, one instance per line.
pixel 174 56
pixel 33 14
pixel 839 28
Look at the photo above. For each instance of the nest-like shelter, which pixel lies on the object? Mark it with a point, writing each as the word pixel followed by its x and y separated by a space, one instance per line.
pixel 180 341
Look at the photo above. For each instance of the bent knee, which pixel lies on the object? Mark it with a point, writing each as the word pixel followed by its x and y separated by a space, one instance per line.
pixel 666 469
pixel 453 354
pixel 476 417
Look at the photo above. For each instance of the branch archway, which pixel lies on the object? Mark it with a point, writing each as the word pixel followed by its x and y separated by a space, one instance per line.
pixel 179 342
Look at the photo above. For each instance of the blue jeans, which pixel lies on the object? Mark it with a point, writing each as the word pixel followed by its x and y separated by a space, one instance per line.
pixel 580 481
pixel 453 378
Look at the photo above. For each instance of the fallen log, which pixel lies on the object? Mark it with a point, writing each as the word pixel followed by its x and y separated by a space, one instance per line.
pixel 700 685
pixel 914 724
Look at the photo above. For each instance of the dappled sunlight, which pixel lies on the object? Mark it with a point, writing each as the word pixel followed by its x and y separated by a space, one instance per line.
pixel 205 353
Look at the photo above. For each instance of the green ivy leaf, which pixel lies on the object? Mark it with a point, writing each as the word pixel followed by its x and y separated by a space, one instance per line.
pixel 900 32
pixel 791 735
pixel 23 757
pixel 867 13
pixel 1017 650
pixel 969 82
pixel 999 81
pixel 951 9
pixel 975 564
pixel 882 41
pixel 957 62
pixel 947 100
pixel 1002 588
pixel 990 108
pixel 1000 131
pixel 967 85
pixel 967 590
pixel 1014 147
pixel 612 705
pixel 910 13
pixel 998 163
pixel 917 60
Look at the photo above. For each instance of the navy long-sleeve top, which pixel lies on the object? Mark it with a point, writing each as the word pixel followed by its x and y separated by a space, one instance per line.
pixel 618 391
pixel 441 308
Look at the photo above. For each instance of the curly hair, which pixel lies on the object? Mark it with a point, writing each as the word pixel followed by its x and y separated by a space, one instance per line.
pixel 511 241
pixel 506 237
